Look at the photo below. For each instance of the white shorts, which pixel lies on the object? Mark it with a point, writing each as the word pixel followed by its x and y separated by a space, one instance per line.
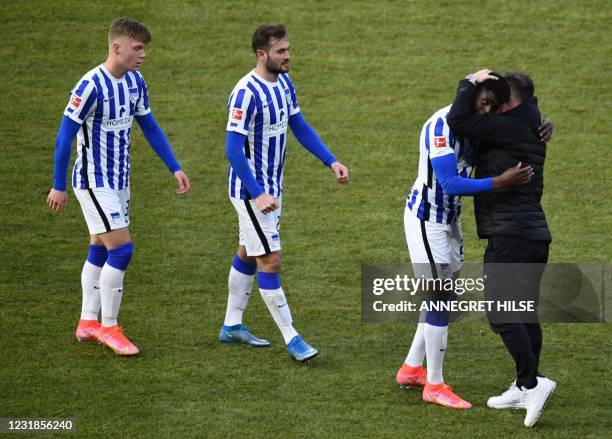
pixel 259 233
pixel 104 209
pixel 435 249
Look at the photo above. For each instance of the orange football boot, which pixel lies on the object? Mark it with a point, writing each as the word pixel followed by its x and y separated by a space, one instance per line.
pixel 411 376
pixel 113 338
pixel 87 330
pixel 443 395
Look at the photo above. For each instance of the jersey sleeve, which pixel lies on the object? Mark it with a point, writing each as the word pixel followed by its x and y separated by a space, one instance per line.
pixel 294 108
pixel 241 110
pixel 142 105
pixel 82 103
pixel 439 139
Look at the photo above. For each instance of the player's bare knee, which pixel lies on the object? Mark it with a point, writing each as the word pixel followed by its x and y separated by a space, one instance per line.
pixel 115 238
pixel 269 263
pixel 242 254
pixel 95 240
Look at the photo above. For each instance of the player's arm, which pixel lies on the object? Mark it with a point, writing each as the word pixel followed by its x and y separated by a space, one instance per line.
pixel 156 137
pixel 310 140
pixel 445 168
pixel 81 104
pixel 234 151
pixel 58 198
pixel 241 112
pixel 159 142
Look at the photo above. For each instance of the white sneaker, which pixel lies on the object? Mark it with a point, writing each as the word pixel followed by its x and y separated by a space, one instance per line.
pixel 510 399
pixel 535 400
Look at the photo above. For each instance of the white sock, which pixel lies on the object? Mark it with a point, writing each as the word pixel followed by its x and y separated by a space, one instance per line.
pixel 279 308
pixel 111 292
pixel 435 347
pixel 416 354
pixel 90 282
pixel 240 287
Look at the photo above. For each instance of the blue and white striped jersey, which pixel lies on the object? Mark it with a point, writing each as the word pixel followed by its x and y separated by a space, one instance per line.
pixel 105 107
pixel 427 200
pixel 260 110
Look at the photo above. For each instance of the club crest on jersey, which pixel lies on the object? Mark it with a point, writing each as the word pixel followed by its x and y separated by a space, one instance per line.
pixel 75 101
pixel 133 95
pixel 237 114
pixel 288 96
pixel 440 142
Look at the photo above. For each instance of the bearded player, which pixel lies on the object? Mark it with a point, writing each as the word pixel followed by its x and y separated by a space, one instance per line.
pixel 261 107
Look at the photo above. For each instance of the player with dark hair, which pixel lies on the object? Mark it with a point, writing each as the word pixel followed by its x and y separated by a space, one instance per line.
pixel 433 232
pixel 261 107
pixel 262 39
pixel 100 114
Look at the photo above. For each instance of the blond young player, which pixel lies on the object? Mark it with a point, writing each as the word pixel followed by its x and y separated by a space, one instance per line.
pixel 100 113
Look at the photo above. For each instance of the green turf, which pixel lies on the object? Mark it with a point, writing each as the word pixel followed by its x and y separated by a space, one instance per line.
pixel 368 75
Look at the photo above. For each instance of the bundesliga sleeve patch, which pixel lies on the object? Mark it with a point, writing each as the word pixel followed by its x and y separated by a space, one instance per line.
pixel 75 101
pixel 237 114
pixel 440 142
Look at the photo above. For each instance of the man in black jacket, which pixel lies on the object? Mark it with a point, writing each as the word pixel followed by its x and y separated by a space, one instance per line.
pixel 513 222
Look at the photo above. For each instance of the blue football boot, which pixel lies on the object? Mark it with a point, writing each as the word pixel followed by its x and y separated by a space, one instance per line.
pixel 300 350
pixel 240 334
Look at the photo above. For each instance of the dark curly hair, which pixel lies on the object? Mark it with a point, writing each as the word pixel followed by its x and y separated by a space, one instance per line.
pixel 499 87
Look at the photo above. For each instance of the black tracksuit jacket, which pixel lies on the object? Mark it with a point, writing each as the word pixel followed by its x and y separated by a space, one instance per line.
pixel 505 139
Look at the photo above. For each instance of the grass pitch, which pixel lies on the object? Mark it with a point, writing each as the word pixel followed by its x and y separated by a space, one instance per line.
pixel 368 74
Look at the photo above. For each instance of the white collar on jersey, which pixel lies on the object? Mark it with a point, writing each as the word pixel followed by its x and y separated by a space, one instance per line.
pixel 110 75
pixel 265 81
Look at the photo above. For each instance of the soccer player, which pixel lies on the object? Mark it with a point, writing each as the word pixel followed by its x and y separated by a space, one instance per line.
pixel 433 233
pixel 261 107
pixel 100 112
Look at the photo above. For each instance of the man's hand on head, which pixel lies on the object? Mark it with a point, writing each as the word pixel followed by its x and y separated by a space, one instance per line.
pixel 480 76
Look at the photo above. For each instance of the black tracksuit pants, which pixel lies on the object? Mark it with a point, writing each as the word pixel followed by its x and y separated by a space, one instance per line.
pixel 513 267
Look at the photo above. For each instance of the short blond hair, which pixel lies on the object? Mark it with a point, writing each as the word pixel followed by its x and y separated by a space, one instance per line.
pixel 126 27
